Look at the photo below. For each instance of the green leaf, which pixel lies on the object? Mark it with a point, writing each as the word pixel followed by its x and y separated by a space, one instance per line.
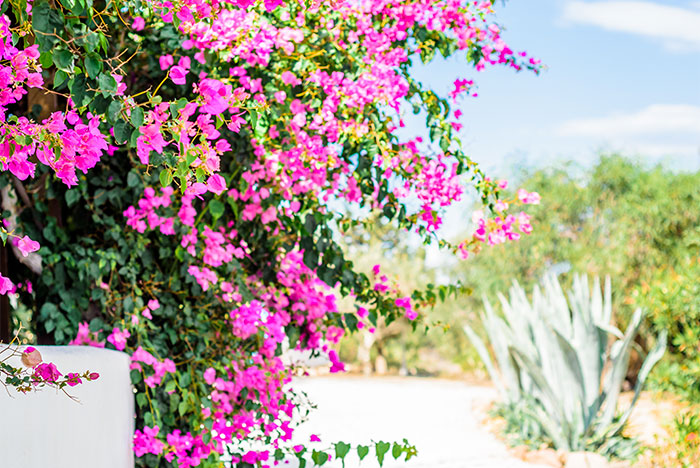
pixel 122 131
pixel 166 177
pixel 78 90
pixel 46 59
pixel 48 310
pixel 341 449
pixel 444 143
pixel 216 208
pixel 182 407
pixel 141 400
pixel 40 18
pixel 107 83
pixel 59 78
pixel 319 458
pixel 253 118
pixel 92 41
pixel 63 59
pixel 100 105
pixel 72 196
pixel 381 449
pixel 93 65
pixel 132 179
pixel 396 451
pixel 137 117
pixel 362 451
pixel 170 386
pixel 113 111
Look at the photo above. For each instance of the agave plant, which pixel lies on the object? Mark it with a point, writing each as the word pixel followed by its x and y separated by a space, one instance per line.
pixel 563 362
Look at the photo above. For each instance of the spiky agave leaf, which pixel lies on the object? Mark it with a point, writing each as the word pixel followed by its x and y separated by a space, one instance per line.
pixel 553 352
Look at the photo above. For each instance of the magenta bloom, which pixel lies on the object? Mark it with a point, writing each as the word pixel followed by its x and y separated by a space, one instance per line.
pixel 165 61
pixel 210 375
pixel 118 338
pixel 529 198
pixel 336 365
pixel 216 184
pixel 178 75
pixel 47 371
pixel 26 245
pixel 5 285
pixel 73 379
pixel 405 303
pixel 138 24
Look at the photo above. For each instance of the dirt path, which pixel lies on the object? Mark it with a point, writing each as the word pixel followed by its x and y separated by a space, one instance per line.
pixel 435 415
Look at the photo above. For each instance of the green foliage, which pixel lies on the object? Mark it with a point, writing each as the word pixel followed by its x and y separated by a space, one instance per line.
pixel 341 450
pixel 618 218
pixel 555 369
pixel 673 298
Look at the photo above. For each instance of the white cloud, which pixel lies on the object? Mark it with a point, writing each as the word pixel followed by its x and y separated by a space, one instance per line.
pixel 653 120
pixel 678 28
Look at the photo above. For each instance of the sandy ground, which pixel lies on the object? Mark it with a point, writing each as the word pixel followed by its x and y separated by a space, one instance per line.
pixel 434 415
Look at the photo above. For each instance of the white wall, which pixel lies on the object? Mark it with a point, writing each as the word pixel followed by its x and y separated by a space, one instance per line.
pixel 46 429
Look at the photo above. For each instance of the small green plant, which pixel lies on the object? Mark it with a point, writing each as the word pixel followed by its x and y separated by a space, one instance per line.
pixel 556 370
pixel 682 448
pixel 687 439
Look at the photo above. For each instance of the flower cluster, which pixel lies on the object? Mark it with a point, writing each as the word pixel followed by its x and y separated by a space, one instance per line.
pixel 266 117
pixel 37 373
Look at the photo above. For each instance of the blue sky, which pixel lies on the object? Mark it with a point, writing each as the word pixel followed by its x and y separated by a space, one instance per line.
pixel 622 75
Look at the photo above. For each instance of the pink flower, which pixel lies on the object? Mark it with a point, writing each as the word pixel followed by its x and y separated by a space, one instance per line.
pixel 178 75
pixel 118 338
pixel 336 366
pixel 529 198
pixel 216 184
pixel 35 80
pixel 315 438
pixel 138 24
pixel 73 379
pixel 86 337
pixel 5 285
pixel 405 303
pixel 185 62
pixel 269 215
pixel 210 375
pixel 289 78
pixel 153 304
pixel 165 61
pixel 47 371
pixel 147 442
pixel 26 245
pixel 251 457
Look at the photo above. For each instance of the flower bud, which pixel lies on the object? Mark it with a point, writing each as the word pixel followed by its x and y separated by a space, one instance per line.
pixel 31 357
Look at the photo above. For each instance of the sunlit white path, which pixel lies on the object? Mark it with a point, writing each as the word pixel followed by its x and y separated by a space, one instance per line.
pixel 435 415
